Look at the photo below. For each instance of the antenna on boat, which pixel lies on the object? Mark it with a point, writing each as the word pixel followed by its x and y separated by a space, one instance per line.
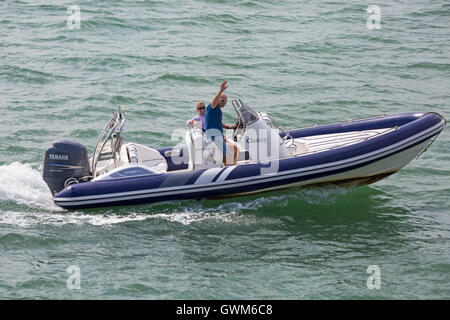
pixel 118 104
pixel 120 108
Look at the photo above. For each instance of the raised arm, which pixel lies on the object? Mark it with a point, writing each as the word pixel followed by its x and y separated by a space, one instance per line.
pixel 215 101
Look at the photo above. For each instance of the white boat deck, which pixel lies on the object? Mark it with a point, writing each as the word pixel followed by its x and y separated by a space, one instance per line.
pixel 325 142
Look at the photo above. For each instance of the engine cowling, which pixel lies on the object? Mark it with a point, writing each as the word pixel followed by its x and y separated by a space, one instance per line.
pixel 65 162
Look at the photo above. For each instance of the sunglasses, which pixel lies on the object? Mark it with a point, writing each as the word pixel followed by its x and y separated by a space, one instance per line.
pixel 201 108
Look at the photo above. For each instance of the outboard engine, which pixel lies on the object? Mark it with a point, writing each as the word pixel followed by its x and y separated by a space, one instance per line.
pixel 66 162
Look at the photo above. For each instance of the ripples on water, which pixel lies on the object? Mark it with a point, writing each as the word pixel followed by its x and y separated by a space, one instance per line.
pixel 303 63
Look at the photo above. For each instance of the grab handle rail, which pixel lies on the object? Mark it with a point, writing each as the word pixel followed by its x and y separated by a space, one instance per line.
pixel 115 125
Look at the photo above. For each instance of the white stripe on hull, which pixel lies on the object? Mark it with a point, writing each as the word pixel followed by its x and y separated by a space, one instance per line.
pixel 207 176
pixel 225 174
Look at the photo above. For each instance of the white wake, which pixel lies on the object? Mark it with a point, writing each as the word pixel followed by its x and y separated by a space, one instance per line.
pixel 22 184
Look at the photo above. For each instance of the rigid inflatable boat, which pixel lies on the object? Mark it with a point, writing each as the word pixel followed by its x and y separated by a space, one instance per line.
pixel 355 152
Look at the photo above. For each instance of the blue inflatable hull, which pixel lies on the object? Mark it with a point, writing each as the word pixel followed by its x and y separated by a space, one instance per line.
pixel 355 164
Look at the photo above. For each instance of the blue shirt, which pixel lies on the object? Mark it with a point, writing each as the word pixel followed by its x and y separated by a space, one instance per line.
pixel 213 119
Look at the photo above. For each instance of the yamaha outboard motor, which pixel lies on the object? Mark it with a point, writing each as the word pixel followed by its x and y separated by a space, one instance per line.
pixel 65 162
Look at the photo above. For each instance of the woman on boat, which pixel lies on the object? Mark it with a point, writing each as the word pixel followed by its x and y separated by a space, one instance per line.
pixel 200 107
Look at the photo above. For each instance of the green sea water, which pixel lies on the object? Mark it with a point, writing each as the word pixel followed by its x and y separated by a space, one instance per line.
pixel 304 63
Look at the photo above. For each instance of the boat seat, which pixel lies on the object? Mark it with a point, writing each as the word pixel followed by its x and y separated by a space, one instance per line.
pixel 149 157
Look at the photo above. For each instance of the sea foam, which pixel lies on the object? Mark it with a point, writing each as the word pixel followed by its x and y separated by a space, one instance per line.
pixel 22 184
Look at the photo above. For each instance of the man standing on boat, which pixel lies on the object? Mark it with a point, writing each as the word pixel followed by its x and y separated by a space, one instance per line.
pixel 214 125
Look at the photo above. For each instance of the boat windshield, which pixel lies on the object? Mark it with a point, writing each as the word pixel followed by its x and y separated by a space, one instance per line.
pixel 245 113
